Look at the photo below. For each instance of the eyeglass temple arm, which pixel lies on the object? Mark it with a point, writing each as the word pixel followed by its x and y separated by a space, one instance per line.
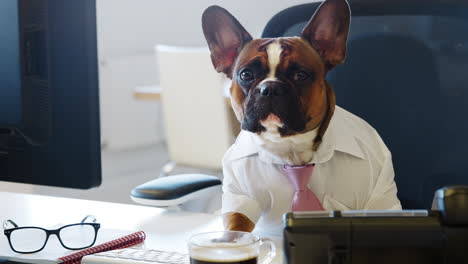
pixel 91 217
pixel 7 222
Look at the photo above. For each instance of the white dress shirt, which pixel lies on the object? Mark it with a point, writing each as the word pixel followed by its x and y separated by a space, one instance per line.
pixel 353 171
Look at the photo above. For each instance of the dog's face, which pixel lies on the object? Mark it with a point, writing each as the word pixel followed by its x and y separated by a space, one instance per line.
pixel 278 85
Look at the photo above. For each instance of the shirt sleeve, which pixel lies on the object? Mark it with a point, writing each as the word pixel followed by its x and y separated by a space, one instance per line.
pixel 384 194
pixel 236 197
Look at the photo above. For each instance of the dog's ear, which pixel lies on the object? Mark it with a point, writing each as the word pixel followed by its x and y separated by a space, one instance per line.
pixel 327 31
pixel 225 36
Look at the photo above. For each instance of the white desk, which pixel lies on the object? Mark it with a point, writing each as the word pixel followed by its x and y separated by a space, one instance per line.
pixel 166 230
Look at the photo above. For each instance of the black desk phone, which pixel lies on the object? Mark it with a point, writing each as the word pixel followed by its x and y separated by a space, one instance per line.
pixel 407 236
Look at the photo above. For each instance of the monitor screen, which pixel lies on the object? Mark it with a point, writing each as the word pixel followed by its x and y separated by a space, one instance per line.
pixel 10 98
pixel 49 106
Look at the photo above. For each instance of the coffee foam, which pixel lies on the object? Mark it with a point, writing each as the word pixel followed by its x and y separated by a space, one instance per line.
pixel 223 253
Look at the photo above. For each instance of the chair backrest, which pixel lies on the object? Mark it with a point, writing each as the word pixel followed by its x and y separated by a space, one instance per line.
pixel 406 73
pixel 196 116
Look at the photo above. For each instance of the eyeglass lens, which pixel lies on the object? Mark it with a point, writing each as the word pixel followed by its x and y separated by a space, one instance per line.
pixel 28 239
pixel 77 236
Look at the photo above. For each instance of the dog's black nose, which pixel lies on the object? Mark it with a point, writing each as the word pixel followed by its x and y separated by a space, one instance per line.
pixel 272 89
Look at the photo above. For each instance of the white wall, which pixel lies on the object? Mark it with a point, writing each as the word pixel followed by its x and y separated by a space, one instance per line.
pixel 134 26
pixel 127 33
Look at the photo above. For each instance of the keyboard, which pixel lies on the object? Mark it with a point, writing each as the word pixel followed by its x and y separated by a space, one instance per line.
pixel 137 255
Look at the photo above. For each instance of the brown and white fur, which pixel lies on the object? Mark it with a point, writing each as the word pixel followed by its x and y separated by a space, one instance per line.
pixel 279 91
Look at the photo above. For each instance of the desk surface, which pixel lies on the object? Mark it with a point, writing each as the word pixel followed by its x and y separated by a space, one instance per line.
pixel 166 230
pixel 151 93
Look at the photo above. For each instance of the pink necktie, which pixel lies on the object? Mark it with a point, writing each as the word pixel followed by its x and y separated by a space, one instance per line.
pixel 304 199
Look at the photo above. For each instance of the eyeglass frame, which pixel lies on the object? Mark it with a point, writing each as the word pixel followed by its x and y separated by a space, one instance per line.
pixel 49 232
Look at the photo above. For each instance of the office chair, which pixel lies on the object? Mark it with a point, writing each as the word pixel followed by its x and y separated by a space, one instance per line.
pixel 192 103
pixel 403 75
pixel 406 74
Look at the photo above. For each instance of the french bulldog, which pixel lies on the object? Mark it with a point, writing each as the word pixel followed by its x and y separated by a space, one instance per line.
pixel 279 91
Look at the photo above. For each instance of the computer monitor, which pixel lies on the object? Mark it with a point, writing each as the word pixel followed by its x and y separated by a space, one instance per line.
pixel 49 98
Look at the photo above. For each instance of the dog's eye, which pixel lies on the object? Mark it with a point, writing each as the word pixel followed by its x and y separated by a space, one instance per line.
pixel 246 75
pixel 300 76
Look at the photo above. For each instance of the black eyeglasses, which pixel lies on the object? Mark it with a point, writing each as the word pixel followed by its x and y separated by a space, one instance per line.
pixel 31 239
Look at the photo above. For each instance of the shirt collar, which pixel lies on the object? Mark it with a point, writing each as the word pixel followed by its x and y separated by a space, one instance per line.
pixel 337 137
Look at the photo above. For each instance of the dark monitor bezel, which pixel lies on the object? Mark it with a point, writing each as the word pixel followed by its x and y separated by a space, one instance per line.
pixel 72 156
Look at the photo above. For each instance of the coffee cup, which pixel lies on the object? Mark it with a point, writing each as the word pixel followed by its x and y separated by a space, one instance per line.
pixel 229 247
